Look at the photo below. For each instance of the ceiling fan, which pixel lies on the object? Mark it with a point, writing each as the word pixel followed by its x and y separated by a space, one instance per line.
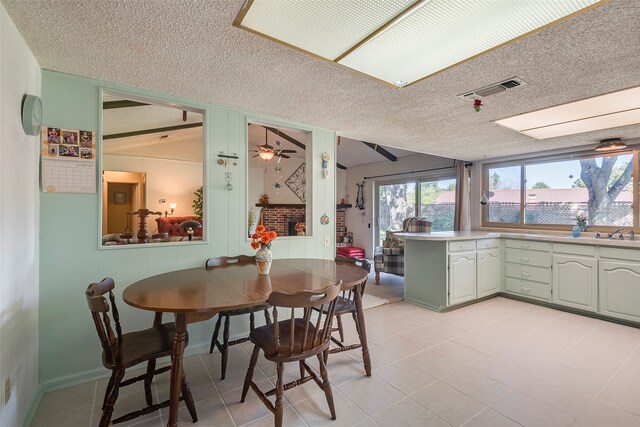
pixel 267 152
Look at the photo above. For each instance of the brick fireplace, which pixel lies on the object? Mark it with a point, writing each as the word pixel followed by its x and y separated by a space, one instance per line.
pixel 282 218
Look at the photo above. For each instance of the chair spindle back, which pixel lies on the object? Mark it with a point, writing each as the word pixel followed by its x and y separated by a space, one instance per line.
pixel 324 302
pixel 99 307
pixel 363 263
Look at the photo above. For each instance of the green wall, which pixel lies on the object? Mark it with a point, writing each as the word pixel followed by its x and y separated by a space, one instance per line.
pixel 70 257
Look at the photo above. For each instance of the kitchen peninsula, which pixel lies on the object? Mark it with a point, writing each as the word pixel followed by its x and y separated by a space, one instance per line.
pixel 596 276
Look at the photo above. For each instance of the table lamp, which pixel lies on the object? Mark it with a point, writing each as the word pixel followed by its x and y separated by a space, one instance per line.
pixel 189 225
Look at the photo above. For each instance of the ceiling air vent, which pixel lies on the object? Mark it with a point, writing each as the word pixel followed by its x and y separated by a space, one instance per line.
pixel 493 89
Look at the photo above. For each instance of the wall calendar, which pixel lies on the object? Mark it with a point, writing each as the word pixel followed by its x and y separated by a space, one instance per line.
pixel 68 160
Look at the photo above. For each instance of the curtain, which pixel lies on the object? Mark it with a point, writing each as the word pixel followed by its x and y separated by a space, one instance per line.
pixel 463 201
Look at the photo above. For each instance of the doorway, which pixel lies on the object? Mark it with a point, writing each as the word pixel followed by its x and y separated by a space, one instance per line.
pixel 122 192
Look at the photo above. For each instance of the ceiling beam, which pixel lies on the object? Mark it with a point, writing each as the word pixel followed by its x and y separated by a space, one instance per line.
pixel 376 147
pixel 148 131
pixel 344 168
pixel 287 137
pixel 124 103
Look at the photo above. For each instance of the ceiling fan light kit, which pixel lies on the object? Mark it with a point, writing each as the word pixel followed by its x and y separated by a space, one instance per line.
pixel 267 152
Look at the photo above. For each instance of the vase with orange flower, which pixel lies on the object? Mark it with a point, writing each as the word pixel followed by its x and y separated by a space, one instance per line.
pixel 261 240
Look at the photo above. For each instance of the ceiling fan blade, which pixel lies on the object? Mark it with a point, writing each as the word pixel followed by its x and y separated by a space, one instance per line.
pixel 287 151
pixel 284 156
pixel 255 155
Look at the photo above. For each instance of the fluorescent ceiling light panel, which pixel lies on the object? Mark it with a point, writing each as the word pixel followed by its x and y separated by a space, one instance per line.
pixel 326 28
pixel 615 109
pixel 401 42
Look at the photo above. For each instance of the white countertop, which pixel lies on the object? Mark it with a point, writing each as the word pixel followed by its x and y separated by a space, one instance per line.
pixel 584 239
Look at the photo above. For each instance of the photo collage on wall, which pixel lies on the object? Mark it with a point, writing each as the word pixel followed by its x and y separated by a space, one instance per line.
pixel 68 144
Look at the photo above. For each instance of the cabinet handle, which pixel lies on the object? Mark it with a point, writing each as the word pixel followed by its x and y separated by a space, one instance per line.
pixel 526 274
pixel 525 259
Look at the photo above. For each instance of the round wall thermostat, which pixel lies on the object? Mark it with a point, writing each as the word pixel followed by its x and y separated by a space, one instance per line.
pixel 32 115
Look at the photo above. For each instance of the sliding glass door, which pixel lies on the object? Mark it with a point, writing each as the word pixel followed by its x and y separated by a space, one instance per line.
pixel 431 198
pixel 396 202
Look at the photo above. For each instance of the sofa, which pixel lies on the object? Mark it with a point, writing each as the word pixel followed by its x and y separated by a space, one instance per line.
pixel 170 224
pixel 389 258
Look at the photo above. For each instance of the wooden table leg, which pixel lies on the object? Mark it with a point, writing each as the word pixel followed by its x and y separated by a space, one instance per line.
pixel 366 358
pixel 176 367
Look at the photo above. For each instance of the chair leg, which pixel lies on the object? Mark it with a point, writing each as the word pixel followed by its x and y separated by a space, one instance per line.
pixel 303 371
pixel 249 376
pixel 225 347
pixel 340 330
pixel 188 399
pixel 279 405
pixel 354 314
pixel 326 386
pixel 267 316
pixel 151 369
pixel 111 397
pixel 216 330
pixel 252 321
pixel 108 391
pixel 378 278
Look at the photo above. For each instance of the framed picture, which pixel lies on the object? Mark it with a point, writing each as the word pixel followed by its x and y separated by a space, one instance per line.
pixel 119 198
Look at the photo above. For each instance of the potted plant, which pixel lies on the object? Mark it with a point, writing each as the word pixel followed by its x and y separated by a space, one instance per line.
pixel 261 240
pixel 581 221
pixel 197 203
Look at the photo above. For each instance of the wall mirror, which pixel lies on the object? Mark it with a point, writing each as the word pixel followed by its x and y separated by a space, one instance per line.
pixel 152 171
pixel 279 193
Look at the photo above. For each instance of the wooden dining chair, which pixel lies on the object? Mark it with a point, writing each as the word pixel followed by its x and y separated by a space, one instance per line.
pixel 294 339
pixel 346 304
pixel 223 346
pixel 122 351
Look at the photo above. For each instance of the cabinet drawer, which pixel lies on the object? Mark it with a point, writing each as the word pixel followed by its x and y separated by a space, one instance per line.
pixel 528 272
pixel 528 288
pixel 522 256
pixel 488 244
pixel 616 253
pixel 462 245
pixel 528 244
pixel 586 250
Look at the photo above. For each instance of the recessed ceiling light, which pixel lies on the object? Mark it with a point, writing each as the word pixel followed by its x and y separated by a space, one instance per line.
pixel 401 40
pixel 621 108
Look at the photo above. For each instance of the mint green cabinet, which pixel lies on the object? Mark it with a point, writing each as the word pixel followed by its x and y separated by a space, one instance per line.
pixel 620 289
pixel 575 282
pixel 489 272
pixel 462 277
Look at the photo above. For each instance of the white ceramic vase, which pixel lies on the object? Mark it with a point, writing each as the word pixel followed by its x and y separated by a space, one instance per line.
pixel 263 260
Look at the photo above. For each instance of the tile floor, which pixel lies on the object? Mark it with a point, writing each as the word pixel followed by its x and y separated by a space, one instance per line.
pixel 499 362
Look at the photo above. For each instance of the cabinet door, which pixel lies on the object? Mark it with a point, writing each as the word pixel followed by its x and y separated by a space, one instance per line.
pixel 620 289
pixel 462 277
pixel 575 282
pixel 489 272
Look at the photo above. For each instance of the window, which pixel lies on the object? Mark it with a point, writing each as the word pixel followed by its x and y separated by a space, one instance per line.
pixel 551 192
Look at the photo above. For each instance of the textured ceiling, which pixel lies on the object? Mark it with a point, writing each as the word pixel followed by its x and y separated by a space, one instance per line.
pixel 189 48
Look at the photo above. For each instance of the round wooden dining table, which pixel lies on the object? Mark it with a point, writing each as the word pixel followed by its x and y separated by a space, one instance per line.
pixel 198 294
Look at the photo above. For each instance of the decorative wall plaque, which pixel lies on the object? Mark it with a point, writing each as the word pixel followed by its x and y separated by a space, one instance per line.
pixel 297 182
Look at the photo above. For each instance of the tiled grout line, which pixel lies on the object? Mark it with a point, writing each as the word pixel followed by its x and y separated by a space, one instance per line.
pixel 93 406
pixel 595 396
pixel 217 390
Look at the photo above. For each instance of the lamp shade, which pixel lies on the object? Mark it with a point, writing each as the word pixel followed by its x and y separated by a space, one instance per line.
pixel 190 223
pixel 611 144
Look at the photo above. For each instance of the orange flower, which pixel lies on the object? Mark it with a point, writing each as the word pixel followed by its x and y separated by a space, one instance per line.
pixel 262 237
